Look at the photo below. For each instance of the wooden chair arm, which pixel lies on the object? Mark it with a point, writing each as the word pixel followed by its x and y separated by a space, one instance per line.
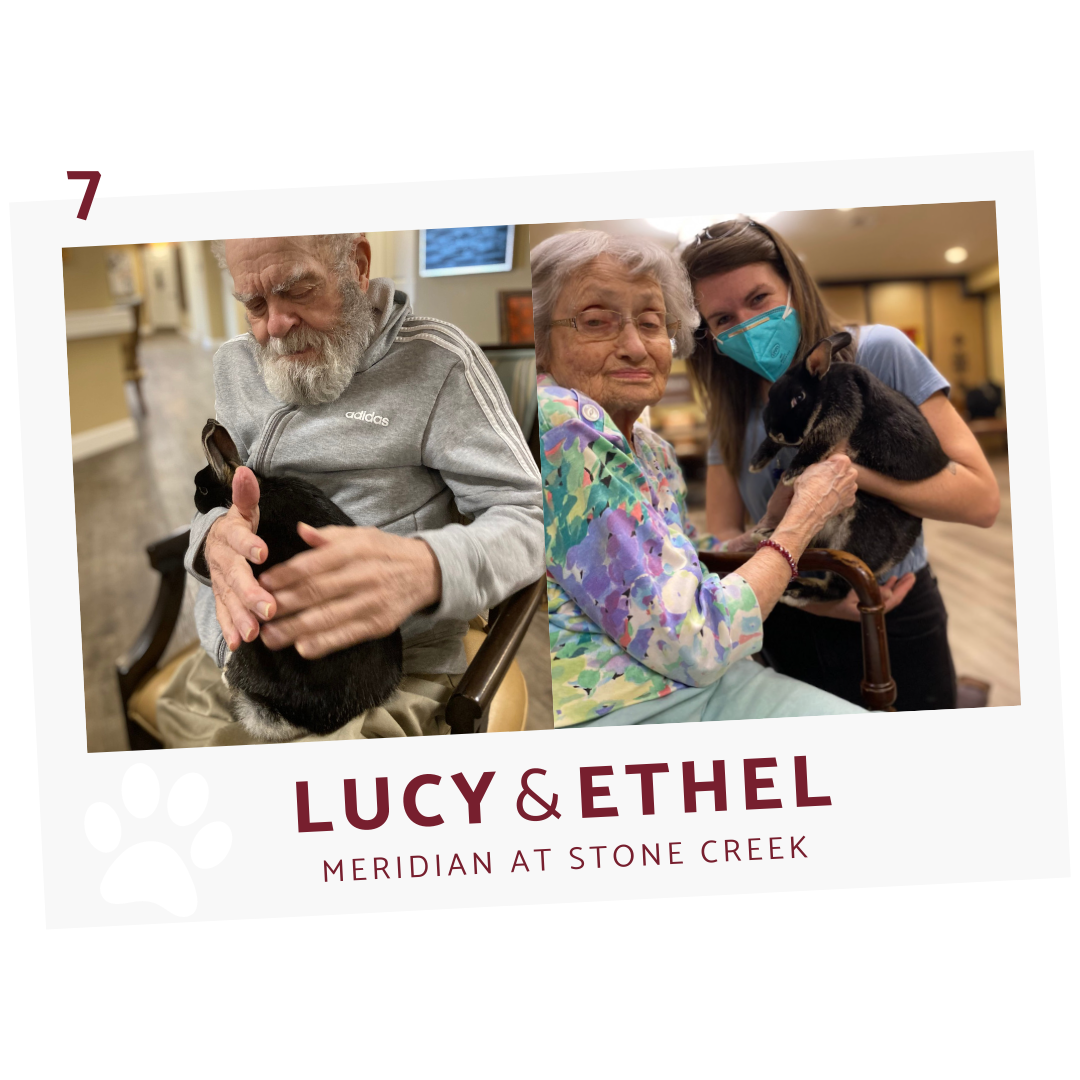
pixel 483 676
pixel 167 558
pixel 878 686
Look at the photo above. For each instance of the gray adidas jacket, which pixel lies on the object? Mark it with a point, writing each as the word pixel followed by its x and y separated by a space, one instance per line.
pixel 421 438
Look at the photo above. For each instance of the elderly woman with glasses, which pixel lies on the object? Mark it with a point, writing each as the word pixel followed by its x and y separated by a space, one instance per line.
pixel 640 632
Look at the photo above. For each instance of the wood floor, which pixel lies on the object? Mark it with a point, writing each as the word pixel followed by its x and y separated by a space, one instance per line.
pixel 128 497
pixel 974 568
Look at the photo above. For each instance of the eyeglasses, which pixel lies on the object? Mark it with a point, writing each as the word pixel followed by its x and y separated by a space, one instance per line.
pixel 598 325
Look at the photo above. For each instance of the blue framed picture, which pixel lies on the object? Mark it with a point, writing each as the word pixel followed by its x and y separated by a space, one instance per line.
pixel 486 249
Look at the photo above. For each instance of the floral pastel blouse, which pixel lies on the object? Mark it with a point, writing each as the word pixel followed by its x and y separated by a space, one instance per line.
pixel 633 616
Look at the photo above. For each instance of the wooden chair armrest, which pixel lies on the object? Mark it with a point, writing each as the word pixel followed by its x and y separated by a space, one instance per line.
pixel 483 676
pixel 878 686
pixel 167 558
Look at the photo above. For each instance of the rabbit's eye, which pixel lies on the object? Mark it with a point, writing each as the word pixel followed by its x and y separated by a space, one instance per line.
pixel 797 398
pixel 203 491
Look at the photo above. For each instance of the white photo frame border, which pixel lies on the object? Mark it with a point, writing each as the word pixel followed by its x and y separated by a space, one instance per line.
pixel 918 798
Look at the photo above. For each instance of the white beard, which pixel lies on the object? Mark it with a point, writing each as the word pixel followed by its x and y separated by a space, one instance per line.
pixel 323 379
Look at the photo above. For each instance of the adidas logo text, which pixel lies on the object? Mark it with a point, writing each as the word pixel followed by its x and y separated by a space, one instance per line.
pixel 369 417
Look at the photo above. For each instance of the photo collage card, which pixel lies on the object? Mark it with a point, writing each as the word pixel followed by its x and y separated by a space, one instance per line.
pixel 711 510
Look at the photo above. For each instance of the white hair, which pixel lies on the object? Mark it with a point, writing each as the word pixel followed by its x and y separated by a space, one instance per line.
pixel 335 249
pixel 557 259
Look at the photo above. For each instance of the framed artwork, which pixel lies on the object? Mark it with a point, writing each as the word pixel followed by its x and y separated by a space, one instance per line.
pixel 485 249
pixel 516 318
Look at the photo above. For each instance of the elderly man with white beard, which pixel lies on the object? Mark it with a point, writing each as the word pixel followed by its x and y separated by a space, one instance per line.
pixel 403 423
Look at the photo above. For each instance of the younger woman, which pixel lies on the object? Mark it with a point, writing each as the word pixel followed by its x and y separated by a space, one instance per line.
pixel 759 309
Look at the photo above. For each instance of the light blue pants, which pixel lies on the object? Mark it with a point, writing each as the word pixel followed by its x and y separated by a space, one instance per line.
pixel 746 691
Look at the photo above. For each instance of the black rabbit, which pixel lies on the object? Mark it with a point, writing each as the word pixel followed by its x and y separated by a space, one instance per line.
pixel 278 694
pixel 817 405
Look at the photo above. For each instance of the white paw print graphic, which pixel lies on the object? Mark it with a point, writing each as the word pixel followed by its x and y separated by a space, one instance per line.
pixel 152 870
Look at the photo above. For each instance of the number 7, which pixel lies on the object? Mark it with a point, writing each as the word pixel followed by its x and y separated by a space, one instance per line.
pixel 91 189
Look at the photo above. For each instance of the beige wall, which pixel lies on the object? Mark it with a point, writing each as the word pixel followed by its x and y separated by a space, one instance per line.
pixel 901 304
pixel 204 319
pixel 95 365
pixel 847 302
pixel 995 349
pixel 86 281
pixel 214 293
pixel 988 282
pixel 193 316
pixel 953 315
pixel 938 311
pixel 96 382
pixel 165 289
pixel 470 301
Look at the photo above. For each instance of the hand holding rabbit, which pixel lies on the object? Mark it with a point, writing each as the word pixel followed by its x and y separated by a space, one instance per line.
pixel 230 543
pixel 822 490
pixel 355 584
pixel 829 485
pixel 283 694
pixel 893 592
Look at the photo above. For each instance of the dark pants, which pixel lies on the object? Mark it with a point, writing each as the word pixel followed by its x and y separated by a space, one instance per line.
pixel 827 653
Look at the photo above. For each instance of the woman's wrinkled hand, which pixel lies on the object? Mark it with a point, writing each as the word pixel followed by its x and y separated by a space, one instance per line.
pixel 826 488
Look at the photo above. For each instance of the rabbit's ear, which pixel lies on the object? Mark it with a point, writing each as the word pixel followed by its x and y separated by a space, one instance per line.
pixel 840 340
pixel 220 451
pixel 819 358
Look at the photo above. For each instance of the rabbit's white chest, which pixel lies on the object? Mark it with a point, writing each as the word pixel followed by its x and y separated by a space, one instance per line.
pixel 836 531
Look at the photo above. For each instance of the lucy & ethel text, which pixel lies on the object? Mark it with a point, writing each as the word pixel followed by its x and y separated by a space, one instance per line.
pixel 707 787
pixel 424 798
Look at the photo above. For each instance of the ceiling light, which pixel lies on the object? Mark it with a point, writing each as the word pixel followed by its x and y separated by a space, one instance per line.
pixel 956 255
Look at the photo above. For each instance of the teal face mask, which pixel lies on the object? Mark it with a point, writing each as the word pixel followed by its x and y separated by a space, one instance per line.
pixel 766 343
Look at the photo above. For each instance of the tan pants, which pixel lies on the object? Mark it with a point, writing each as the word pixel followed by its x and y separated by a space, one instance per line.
pixel 193 709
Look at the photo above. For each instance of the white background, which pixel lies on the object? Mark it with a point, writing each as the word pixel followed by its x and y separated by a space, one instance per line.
pixel 933 980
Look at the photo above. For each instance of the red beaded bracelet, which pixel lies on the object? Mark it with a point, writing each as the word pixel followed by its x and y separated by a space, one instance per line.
pixel 783 551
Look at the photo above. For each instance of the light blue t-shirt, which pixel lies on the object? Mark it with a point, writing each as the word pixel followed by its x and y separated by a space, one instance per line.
pixel 894 358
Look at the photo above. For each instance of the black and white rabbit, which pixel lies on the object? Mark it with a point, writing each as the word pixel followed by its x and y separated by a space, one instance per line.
pixel 817 405
pixel 278 694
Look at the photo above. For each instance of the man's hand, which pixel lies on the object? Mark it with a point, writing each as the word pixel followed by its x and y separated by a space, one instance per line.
pixel 892 593
pixel 230 543
pixel 355 585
